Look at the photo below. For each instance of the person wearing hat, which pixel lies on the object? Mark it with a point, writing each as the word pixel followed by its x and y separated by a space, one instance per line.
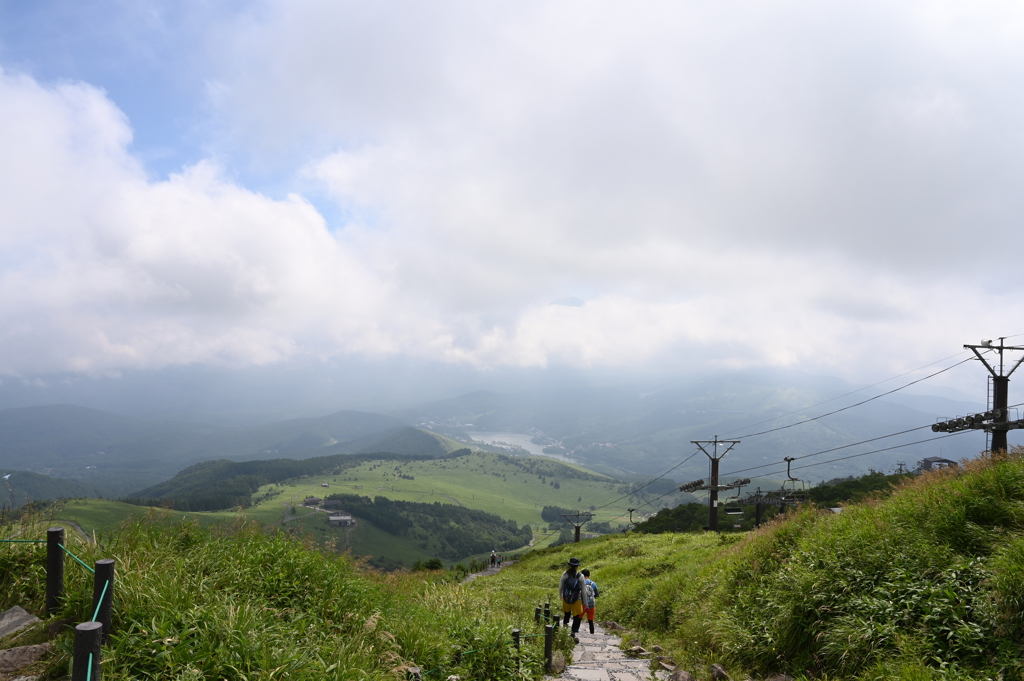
pixel 570 588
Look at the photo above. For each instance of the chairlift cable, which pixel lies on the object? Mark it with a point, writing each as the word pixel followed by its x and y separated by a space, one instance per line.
pixel 853 444
pixel 852 392
pixel 857 404
pixel 649 483
pixel 874 451
pixel 833 449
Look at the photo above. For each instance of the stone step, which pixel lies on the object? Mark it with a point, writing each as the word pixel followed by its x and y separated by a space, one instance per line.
pixel 14 619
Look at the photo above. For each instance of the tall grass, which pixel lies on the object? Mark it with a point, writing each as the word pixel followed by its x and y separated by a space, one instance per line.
pixel 236 603
pixel 925 583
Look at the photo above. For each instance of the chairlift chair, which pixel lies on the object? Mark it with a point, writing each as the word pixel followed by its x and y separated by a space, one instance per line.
pixel 732 504
pixel 794 490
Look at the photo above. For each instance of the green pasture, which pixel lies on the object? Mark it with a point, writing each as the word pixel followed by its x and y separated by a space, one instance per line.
pixel 482 480
pixel 104 515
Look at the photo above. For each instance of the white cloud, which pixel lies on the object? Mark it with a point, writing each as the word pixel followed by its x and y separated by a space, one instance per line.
pixel 800 184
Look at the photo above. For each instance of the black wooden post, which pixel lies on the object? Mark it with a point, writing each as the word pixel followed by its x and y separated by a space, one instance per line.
pixel 515 640
pixel 54 569
pixel 549 640
pixel 103 594
pixel 536 615
pixel 86 660
pixel 547 612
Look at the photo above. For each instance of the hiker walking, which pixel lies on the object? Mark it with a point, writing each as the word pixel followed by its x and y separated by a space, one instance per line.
pixel 590 595
pixel 494 558
pixel 570 588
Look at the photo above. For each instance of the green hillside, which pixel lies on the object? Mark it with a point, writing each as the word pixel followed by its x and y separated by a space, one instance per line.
pixel 197 604
pixel 512 488
pixel 516 488
pixel 24 487
pixel 925 584
pixel 414 441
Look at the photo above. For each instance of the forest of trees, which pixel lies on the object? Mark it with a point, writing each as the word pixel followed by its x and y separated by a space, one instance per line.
pixel 445 530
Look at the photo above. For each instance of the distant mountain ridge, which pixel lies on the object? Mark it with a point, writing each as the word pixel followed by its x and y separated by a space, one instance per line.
pixel 119 454
pixel 636 429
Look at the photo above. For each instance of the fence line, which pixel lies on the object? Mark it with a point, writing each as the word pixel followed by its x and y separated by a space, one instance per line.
pixel 91 635
pixel 549 635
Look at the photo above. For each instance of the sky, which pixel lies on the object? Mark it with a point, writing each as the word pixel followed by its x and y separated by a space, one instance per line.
pixel 588 186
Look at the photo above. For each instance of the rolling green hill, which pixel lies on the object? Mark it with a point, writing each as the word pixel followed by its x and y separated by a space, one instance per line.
pixel 24 486
pixel 926 584
pixel 413 441
pixel 510 487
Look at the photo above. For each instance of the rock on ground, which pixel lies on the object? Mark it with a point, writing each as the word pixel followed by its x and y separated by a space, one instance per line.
pixel 14 619
pixel 13 659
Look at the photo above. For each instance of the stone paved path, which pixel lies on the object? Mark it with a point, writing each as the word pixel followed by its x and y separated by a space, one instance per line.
pixel 597 657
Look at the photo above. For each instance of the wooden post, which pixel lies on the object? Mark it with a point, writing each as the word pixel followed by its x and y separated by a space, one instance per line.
pixel 547 612
pixel 103 594
pixel 515 640
pixel 54 569
pixel 536 615
pixel 549 640
pixel 87 650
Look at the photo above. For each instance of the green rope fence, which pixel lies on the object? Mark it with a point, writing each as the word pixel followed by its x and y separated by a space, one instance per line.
pixel 94 633
pixel 76 558
pixel 459 654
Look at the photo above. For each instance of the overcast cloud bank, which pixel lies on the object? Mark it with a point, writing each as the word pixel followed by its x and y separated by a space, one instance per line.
pixel 812 185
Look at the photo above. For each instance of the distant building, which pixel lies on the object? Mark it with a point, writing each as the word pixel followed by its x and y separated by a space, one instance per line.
pixel 324 484
pixel 312 501
pixel 935 462
pixel 332 503
pixel 340 519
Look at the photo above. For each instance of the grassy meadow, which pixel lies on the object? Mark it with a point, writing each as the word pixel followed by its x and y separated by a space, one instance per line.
pixel 238 603
pixel 927 583
pixel 924 584
pixel 482 480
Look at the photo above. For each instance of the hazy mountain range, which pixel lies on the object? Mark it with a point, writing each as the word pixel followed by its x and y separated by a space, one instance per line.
pixel 622 429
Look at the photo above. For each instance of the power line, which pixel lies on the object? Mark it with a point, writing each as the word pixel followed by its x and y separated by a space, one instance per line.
pixel 875 451
pixel 649 483
pixel 853 444
pixel 833 449
pixel 852 392
pixel 857 404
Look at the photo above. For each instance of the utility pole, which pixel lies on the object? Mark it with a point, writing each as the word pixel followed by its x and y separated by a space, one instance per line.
pixel 1000 390
pixel 578 520
pixel 715 455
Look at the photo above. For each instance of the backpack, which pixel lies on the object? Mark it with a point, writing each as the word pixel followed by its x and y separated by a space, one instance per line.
pixel 588 595
pixel 593 587
pixel 572 589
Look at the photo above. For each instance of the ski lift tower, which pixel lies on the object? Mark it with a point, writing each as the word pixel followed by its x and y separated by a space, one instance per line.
pixel 1000 391
pixel 578 520
pixel 715 455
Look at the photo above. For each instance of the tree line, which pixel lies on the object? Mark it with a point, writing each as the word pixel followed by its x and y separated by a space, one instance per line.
pixel 444 530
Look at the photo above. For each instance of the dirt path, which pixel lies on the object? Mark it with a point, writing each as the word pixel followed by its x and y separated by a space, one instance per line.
pixel 78 528
pixel 487 572
pixel 599 658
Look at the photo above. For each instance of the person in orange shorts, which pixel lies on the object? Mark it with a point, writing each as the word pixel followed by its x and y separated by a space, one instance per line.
pixel 589 599
pixel 570 588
